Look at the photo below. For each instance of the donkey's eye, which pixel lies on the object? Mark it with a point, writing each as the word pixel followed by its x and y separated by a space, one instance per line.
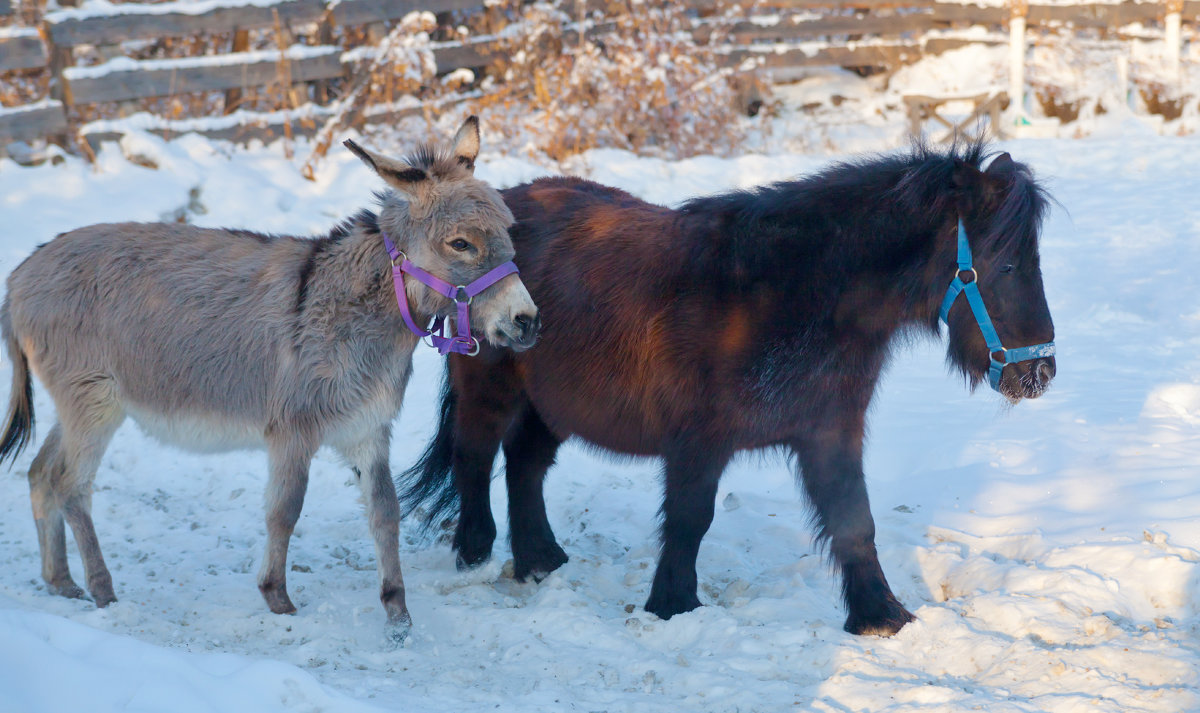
pixel 460 245
pixel 1006 268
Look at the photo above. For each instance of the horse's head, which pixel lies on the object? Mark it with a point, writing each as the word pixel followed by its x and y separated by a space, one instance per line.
pixel 455 227
pixel 1001 211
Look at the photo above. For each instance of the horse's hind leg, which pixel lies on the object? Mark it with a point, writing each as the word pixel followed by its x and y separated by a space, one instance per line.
pixel 488 395
pixel 831 469
pixel 46 469
pixel 369 459
pixel 290 456
pixel 693 470
pixel 529 450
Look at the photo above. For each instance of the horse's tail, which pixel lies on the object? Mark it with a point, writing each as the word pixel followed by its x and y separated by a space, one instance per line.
pixel 19 429
pixel 429 484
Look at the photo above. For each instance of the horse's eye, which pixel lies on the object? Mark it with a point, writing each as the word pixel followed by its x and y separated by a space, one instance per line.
pixel 1006 268
pixel 460 245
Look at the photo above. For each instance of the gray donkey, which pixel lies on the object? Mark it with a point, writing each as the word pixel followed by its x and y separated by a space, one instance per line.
pixel 218 339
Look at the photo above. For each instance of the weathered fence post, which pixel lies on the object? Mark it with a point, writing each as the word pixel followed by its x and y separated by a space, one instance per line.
pixel 1172 37
pixel 1016 59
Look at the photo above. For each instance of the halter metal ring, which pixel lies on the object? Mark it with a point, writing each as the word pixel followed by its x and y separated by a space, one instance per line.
pixel 462 290
pixel 974 275
pixel 478 346
pixel 400 256
pixel 1002 352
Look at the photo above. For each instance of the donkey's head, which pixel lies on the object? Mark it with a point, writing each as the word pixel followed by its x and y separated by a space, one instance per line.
pixel 455 227
pixel 1001 211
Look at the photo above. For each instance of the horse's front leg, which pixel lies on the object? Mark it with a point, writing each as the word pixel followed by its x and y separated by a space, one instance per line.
pixel 529 450
pixel 369 459
pixel 290 455
pixel 692 471
pixel 832 473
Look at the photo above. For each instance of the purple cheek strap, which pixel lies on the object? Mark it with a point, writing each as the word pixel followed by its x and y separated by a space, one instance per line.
pixel 463 342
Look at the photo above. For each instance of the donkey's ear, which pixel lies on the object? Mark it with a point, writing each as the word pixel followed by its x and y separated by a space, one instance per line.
pixel 466 143
pixel 397 174
pixel 1003 163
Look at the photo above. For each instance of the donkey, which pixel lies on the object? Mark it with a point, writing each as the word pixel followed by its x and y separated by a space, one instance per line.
pixel 747 320
pixel 216 339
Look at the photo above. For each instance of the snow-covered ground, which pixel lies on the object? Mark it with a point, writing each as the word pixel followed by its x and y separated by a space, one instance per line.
pixel 1049 550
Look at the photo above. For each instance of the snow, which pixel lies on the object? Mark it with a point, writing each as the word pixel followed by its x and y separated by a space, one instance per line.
pixel 1049 550
pixel 103 8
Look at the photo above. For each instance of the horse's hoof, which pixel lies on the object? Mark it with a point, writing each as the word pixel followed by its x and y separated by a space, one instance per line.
pixel 277 599
pixel 667 607
pixel 464 563
pixel 539 564
pixel 103 599
pixel 887 624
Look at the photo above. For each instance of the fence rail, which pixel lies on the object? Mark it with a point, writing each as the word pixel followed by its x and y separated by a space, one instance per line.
pixel 886 33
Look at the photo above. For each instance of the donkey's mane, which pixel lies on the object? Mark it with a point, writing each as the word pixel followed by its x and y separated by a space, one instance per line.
pixel 436 160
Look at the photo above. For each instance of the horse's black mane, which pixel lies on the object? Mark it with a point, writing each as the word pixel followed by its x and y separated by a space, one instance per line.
pixel 917 182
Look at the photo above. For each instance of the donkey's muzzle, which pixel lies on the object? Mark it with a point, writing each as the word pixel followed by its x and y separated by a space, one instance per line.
pixel 526 328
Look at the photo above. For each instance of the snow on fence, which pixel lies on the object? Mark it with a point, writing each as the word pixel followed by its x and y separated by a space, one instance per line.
pixel 849 33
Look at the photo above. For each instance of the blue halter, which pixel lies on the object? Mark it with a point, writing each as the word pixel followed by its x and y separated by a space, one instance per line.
pixel 971 290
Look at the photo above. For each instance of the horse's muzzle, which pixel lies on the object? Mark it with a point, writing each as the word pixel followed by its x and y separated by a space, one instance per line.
pixel 524 331
pixel 1033 378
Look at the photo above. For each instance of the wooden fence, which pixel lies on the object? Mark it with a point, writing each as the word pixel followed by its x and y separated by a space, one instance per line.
pixel 863 33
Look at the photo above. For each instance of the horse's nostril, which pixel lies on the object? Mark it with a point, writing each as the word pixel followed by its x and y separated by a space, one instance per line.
pixel 1045 371
pixel 527 324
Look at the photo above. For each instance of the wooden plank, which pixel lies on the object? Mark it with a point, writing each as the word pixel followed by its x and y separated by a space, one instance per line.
pixel 6 7
pixel 23 51
pixel 170 77
pixel 873 55
pixel 133 22
pixel 34 122
pixel 467 55
pixel 361 12
pixel 1094 16
pixel 746 32
pixel 948 12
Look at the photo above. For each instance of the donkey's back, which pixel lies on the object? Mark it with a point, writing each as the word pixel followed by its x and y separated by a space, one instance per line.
pixel 165 321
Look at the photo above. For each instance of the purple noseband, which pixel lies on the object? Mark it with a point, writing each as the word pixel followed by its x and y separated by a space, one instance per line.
pixel 463 342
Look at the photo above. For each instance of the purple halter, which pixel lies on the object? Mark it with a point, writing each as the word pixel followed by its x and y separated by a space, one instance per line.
pixel 463 342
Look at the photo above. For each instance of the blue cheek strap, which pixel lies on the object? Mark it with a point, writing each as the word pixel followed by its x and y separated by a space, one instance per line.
pixel 971 289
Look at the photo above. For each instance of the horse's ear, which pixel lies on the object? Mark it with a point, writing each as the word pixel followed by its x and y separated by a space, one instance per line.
pixel 396 173
pixel 966 176
pixel 466 143
pixel 1003 163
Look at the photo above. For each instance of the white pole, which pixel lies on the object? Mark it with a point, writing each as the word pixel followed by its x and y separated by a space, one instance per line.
pixel 1171 35
pixel 1016 61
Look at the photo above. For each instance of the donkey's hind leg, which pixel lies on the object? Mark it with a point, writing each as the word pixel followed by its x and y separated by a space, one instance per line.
pixel 369 459
pixel 290 456
pixel 529 450
pixel 46 469
pixel 89 418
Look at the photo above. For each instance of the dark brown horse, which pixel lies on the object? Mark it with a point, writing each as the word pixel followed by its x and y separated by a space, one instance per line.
pixel 751 319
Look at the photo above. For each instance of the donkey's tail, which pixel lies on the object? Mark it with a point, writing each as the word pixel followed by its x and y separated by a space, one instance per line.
pixel 18 430
pixel 429 484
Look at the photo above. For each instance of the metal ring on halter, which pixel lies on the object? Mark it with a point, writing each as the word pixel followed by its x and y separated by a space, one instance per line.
pixel 400 256
pixel 462 290
pixel 474 351
pixel 1002 352
pixel 974 275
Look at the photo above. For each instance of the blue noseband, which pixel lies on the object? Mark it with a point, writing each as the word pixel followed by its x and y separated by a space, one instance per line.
pixel 971 290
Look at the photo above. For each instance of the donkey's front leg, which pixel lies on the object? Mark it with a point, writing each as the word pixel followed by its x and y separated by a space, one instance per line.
pixel 369 459
pixel 692 471
pixel 290 456
pixel 831 468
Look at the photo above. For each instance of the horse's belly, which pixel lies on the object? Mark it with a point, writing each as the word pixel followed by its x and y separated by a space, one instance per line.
pixel 200 433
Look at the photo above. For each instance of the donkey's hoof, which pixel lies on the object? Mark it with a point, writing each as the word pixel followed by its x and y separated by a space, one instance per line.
pixel 103 599
pixel 277 599
pixel 67 589
pixel 886 623
pixel 397 630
